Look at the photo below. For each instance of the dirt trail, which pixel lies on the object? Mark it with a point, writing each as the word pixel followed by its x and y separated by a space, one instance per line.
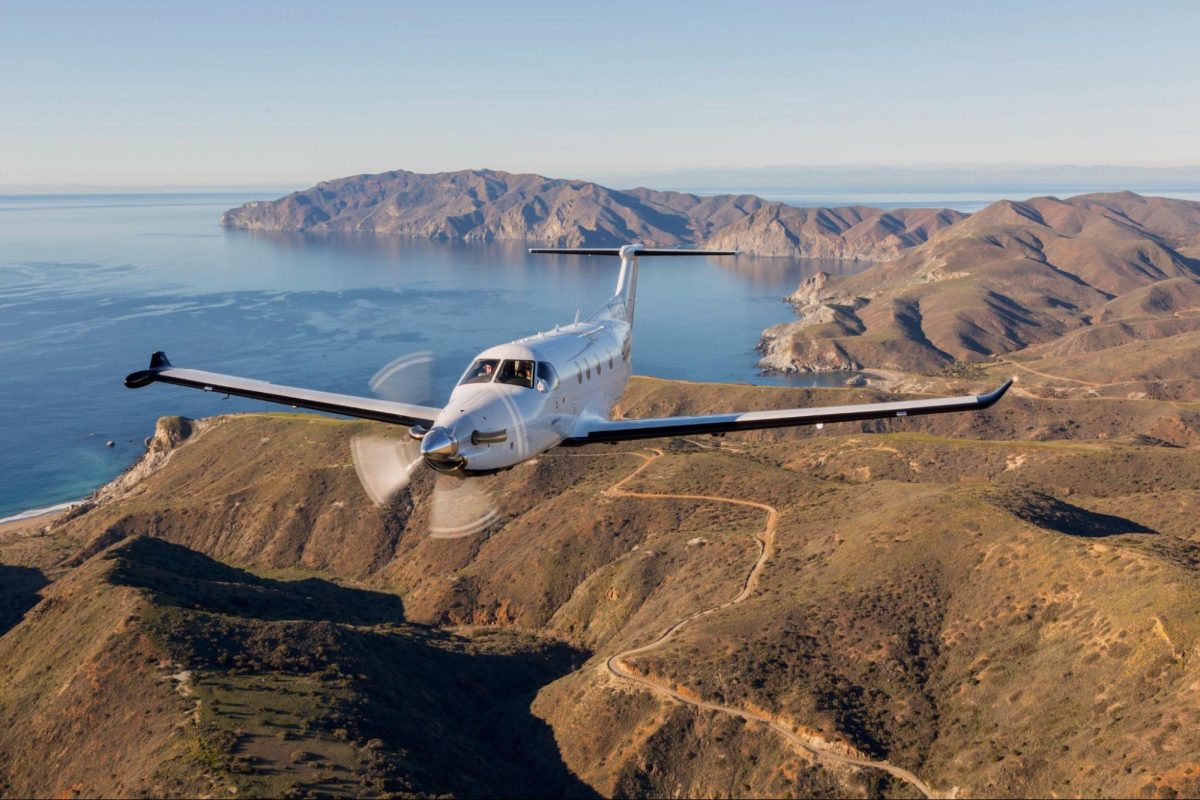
pixel 1048 376
pixel 766 542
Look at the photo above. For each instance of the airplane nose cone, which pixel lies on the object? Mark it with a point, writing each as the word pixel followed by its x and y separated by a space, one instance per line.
pixel 439 442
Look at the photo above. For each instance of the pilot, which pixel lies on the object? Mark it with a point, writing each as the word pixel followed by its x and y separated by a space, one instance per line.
pixel 484 371
pixel 524 376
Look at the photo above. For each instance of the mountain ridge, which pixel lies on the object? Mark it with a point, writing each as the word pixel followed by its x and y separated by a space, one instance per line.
pixel 1009 280
pixel 489 205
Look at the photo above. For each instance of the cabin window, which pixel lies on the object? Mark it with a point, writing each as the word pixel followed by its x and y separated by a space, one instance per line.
pixel 588 368
pixel 547 377
pixel 578 372
pixel 597 364
pixel 516 372
pixel 610 366
pixel 482 371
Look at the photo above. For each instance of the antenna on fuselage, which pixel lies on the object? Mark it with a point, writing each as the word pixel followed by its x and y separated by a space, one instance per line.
pixel 577 316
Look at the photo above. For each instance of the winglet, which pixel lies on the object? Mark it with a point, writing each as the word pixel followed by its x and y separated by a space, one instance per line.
pixel 988 398
pixel 145 377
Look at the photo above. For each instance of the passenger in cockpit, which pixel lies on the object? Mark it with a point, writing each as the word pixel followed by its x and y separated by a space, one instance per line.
pixel 516 373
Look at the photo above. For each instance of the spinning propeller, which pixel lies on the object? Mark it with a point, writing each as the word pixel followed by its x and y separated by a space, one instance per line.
pixel 460 504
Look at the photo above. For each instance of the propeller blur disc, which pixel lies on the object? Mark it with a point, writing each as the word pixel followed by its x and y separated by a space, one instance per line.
pixel 384 466
pixel 461 506
pixel 408 379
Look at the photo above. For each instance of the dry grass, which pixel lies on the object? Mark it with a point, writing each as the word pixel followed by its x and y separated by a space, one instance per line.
pixel 1005 616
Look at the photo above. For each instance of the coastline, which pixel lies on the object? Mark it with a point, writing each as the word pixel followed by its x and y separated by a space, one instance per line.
pixel 36 516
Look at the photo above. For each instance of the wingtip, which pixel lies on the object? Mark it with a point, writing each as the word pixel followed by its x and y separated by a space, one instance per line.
pixel 144 377
pixel 136 380
pixel 988 398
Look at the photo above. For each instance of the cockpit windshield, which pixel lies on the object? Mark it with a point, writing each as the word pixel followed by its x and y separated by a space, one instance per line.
pixel 482 371
pixel 516 373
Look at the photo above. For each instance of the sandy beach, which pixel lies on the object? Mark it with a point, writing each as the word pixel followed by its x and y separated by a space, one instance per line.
pixel 33 522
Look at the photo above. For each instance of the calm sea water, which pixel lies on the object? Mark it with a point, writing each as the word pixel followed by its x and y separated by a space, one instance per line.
pixel 90 285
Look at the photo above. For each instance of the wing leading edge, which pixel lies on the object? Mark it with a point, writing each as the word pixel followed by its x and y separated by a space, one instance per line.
pixel 625 429
pixel 162 371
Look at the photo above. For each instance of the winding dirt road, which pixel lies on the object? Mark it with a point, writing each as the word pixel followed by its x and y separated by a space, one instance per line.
pixel 766 542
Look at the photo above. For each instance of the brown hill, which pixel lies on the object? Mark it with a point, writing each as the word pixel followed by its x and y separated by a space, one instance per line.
pixel 152 670
pixel 489 205
pixel 1013 277
pixel 855 232
pixel 950 600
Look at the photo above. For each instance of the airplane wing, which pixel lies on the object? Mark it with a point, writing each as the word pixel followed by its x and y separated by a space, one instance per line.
pixel 162 371
pixel 624 429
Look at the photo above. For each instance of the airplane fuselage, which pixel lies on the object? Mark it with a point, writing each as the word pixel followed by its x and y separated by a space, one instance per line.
pixel 521 398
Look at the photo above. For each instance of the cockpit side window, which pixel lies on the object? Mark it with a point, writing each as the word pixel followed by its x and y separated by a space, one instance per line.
pixel 547 377
pixel 482 371
pixel 516 372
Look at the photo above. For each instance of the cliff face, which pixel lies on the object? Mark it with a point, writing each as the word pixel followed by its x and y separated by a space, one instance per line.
pixel 1045 276
pixel 488 205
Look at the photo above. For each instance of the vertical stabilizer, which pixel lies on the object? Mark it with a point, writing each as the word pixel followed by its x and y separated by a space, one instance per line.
pixel 622 303
pixel 624 298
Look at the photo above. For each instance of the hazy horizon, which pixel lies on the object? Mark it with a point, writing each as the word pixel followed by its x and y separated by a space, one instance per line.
pixel 866 179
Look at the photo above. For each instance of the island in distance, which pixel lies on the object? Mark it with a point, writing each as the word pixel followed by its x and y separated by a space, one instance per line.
pixel 487 205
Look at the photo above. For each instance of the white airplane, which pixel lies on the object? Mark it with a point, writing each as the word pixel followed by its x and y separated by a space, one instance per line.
pixel 555 388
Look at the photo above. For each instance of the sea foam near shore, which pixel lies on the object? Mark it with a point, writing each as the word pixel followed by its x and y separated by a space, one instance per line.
pixel 39 512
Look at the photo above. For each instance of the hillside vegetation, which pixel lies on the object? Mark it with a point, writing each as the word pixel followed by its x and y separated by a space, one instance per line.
pixel 997 604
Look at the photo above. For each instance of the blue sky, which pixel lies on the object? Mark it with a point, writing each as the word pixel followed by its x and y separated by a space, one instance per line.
pixel 290 93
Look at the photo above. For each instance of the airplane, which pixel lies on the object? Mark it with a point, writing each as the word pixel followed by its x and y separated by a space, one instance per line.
pixel 551 389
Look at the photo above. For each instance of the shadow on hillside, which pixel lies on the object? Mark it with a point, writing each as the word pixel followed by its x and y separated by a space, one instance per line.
pixel 453 712
pixel 19 587
pixel 461 710
pixel 186 578
pixel 1053 514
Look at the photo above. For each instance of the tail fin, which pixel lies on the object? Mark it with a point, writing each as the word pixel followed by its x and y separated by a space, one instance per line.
pixel 623 300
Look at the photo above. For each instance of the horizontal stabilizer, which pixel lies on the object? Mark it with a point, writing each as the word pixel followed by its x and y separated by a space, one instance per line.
pixel 640 251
